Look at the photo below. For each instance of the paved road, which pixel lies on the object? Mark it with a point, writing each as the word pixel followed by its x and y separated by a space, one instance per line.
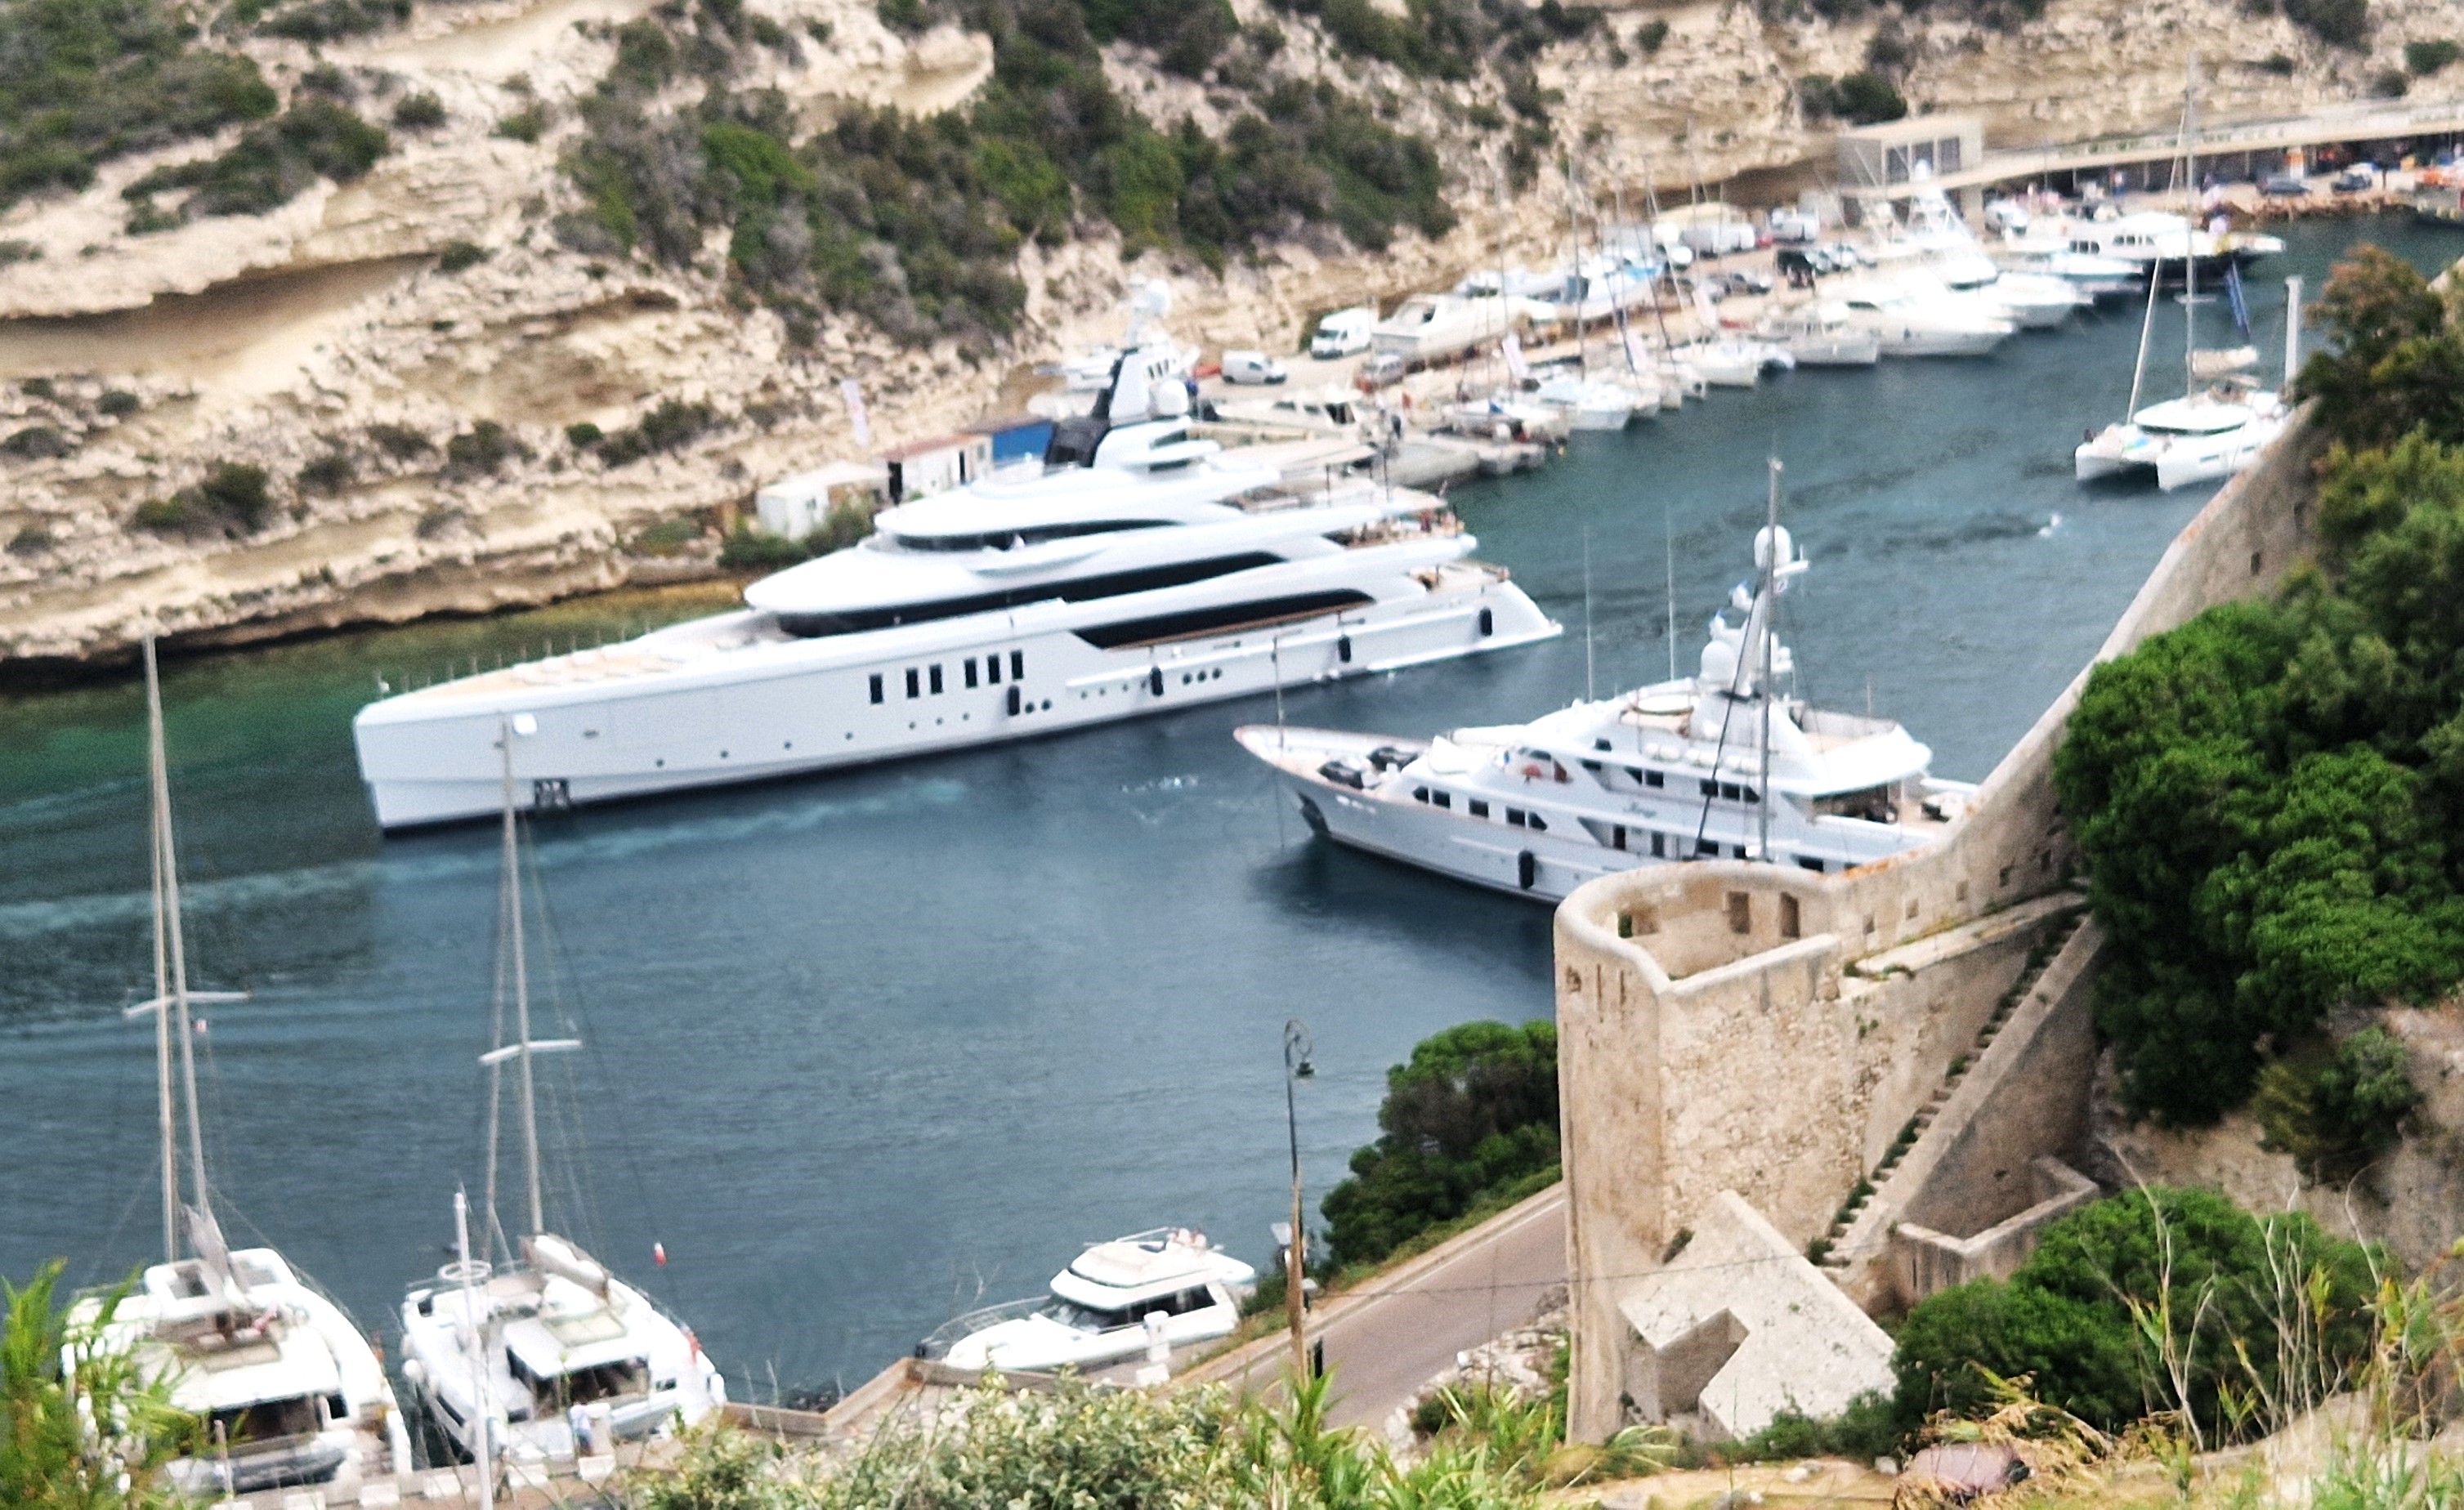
pixel 1384 1342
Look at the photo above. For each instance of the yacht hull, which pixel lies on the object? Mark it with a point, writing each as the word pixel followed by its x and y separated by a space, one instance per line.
pixel 1425 837
pixel 668 733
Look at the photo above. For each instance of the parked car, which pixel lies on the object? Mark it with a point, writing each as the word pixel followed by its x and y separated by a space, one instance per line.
pixel 1251 366
pixel 1342 333
pixel 2359 179
pixel 2282 186
pixel 1385 368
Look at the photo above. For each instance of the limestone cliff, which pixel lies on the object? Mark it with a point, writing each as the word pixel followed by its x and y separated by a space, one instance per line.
pixel 332 332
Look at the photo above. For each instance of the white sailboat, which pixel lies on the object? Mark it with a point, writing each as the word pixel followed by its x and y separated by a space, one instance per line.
pixel 289 1391
pixel 2223 420
pixel 547 1355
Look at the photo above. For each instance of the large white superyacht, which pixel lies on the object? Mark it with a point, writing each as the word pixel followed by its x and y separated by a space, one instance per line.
pixel 1720 765
pixel 1140 570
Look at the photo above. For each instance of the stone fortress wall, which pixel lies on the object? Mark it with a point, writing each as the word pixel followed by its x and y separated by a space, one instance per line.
pixel 1789 1036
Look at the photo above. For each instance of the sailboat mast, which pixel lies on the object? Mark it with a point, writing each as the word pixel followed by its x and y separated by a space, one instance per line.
pixel 158 782
pixel 1771 604
pixel 174 946
pixel 2191 237
pixel 522 994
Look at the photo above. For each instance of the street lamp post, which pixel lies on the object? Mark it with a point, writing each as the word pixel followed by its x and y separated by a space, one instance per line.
pixel 1297 1048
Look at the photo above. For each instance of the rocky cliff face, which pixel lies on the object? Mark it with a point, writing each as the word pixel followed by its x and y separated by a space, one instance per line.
pixel 344 342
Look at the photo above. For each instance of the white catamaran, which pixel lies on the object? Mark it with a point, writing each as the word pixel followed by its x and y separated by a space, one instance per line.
pixel 1142 571
pixel 2222 419
pixel 1720 765
pixel 533 1357
pixel 290 1391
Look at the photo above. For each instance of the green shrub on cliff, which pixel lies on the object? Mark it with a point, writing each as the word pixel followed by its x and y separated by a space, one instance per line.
pixel 1472 1113
pixel 271 164
pixel 2115 1286
pixel 917 223
pixel 83 81
pixel 2335 1108
pixel 2268 794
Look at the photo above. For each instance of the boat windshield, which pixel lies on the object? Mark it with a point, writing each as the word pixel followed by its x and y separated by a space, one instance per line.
pixel 271 1420
pixel 1084 1318
pixel 624 1378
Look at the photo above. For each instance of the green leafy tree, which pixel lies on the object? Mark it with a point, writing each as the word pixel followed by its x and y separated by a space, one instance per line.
pixel 1472 1113
pixel 2077 1313
pixel 2391 363
pixel 51 1455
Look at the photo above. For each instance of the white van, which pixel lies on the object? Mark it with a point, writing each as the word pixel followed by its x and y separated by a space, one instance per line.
pixel 1342 333
pixel 1251 366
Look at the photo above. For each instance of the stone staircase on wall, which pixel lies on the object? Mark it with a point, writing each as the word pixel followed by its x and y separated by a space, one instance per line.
pixel 1825 1249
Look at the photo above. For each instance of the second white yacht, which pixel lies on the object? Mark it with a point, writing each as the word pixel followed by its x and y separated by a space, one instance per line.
pixel 1720 765
pixel 1142 570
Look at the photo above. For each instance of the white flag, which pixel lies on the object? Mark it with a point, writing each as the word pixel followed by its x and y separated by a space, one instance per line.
pixel 854 396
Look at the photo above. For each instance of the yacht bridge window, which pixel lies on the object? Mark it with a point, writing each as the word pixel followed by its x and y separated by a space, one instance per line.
pixel 1872 803
pixel 264 1420
pixel 1189 623
pixel 1104 585
pixel 1029 535
pixel 876 686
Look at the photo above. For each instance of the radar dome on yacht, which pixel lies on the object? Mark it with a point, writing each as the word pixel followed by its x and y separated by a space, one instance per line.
pixel 1719 661
pixel 1763 539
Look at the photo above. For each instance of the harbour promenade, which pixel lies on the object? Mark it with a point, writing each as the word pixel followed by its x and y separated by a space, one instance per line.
pixel 2374 121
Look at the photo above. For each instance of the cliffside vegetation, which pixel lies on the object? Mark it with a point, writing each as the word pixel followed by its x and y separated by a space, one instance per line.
pixel 83 81
pixel 2151 1300
pixel 1470 1118
pixel 917 223
pixel 2268 796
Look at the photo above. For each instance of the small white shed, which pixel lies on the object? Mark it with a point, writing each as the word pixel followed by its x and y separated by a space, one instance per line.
pixel 795 507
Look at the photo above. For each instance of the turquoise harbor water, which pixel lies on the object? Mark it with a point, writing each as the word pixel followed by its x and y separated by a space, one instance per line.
pixel 867 1048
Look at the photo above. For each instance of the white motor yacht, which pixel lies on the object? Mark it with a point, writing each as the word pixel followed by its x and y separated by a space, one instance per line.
pixel 1937 242
pixel 1821 334
pixel 1330 412
pixel 528 1360
pixel 289 1391
pixel 2096 277
pixel 1733 362
pixel 1720 765
pixel 1430 327
pixel 1148 303
pixel 1506 416
pixel 1909 320
pixel 1592 404
pixel 1097 1309
pixel 1141 570
pixel 2154 238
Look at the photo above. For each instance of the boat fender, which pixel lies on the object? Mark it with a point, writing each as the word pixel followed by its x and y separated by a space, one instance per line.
pixel 1527 869
pixel 1154 679
pixel 1013 699
pixel 1343 648
pixel 1487 623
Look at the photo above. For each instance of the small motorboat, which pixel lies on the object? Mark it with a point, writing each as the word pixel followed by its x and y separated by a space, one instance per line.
pixel 1097 1310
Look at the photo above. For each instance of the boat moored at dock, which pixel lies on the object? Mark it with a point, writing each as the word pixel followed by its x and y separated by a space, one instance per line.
pixel 1097 1308
pixel 1141 570
pixel 1720 765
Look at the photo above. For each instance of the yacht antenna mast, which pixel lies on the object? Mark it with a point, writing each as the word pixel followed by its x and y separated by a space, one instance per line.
pixel 1770 606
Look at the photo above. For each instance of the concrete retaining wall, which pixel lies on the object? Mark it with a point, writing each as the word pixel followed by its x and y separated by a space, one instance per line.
pixel 1743 1061
pixel 1924 1260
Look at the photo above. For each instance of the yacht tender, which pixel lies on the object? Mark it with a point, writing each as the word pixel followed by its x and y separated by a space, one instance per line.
pixel 1672 772
pixel 1096 1312
pixel 1142 569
